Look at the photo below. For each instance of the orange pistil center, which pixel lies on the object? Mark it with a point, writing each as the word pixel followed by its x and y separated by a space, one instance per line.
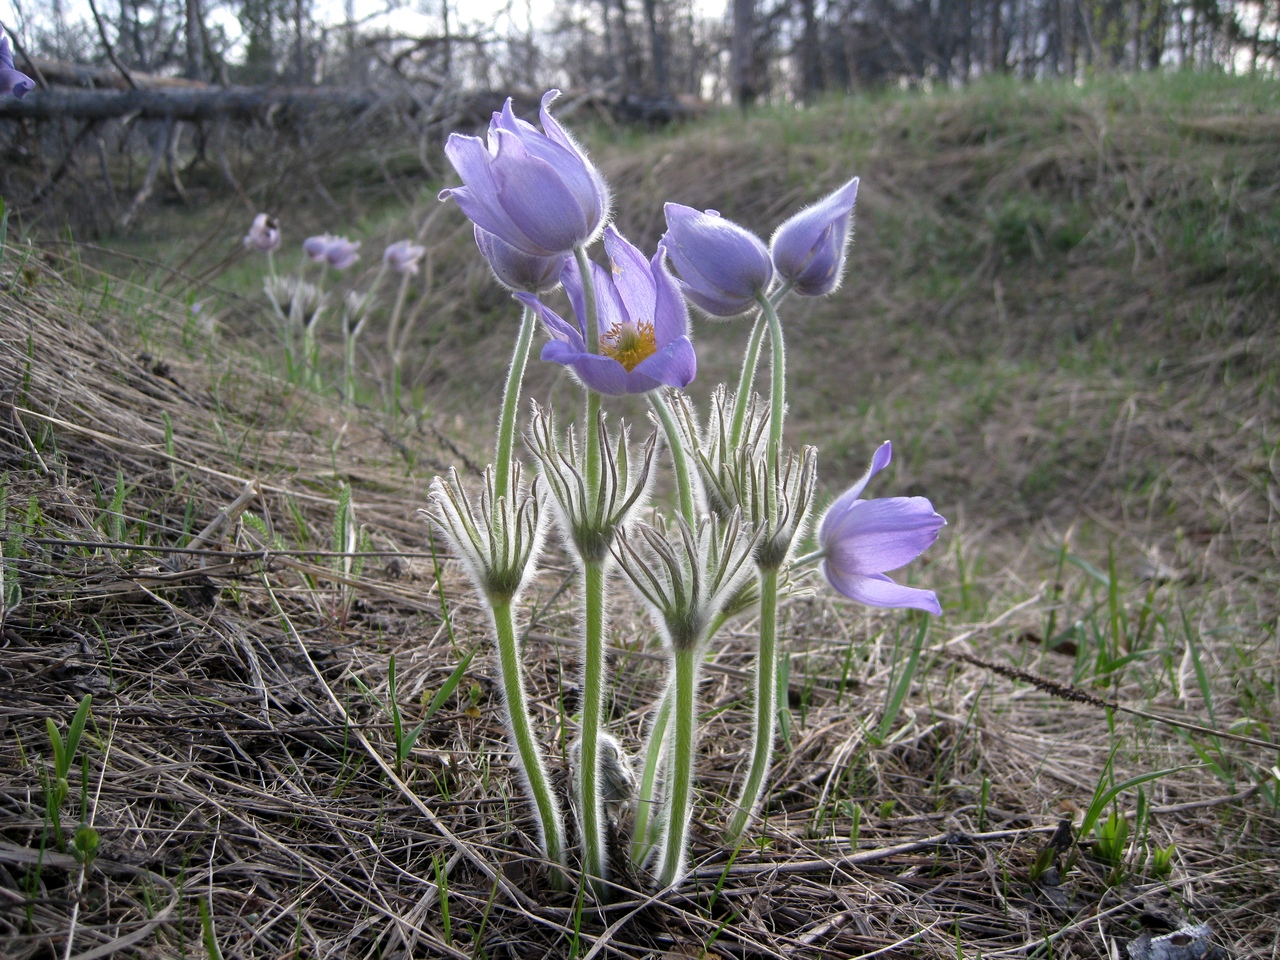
pixel 629 343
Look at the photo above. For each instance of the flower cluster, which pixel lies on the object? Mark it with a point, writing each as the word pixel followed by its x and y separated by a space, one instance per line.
pixel 298 304
pixel 744 501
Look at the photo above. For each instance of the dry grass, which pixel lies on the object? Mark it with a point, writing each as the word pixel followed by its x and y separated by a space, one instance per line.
pixel 239 755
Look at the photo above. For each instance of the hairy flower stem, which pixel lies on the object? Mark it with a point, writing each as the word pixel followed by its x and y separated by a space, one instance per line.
pixel 643 836
pixel 750 361
pixel 535 774
pixel 510 403
pixel 679 460
pixel 590 803
pixel 778 388
pixel 766 703
pixel 673 859
pixel 393 330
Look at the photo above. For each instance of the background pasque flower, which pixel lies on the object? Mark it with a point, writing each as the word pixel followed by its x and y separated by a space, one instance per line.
pixel 863 539
pixel 720 266
pixel 264 235
pixel 403 256
pixel 808 250
pixel 642 320
pixel 338 252
pixel 535 190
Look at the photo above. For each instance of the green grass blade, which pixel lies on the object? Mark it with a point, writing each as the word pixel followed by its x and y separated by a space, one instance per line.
pixel 903 686
pixel 450 685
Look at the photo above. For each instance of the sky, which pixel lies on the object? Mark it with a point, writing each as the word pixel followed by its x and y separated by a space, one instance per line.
pixel 409 19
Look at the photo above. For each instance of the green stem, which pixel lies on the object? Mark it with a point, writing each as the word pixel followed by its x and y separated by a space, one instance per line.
pixel 551 826
pixel 778 389
pixel 510 404
pixel 647 798
pixel 679 461
pixel 766 704
pixel 393 325
pixel 591 808
pixel 746 379
pixel 750 361
pixel 674 855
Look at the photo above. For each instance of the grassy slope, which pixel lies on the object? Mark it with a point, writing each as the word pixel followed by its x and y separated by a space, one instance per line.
pixel 1060 306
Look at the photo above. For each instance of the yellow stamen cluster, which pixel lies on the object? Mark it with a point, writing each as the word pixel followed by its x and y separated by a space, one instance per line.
pixel 629 343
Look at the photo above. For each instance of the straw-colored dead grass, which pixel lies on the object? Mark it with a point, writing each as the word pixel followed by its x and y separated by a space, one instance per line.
pixel 237 756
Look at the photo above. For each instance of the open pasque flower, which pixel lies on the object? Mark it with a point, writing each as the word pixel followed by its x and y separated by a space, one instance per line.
pixel 809 249
pixel 12 80
pixel 721 266
pixel 264 235
pixel 863 539
pixel 535 190
pixel 642 321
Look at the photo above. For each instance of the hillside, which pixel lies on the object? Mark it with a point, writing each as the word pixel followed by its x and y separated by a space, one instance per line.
pixel 1061 306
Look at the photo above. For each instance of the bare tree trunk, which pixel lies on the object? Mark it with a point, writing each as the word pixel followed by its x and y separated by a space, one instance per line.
pixel 605 10
pixel 630 68
pixel 745 89
pixel 195 42
pixel 810 55
pixel 657 47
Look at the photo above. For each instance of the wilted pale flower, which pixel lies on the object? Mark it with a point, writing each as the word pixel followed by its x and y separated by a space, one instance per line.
pixel 721 266
pixel 264 235
pixel 337 252
pixel 517 270
pixel 809 249
pixel 536 191
pixel 642 319
pixel 12 80
pixel 403 256
pixel 863 539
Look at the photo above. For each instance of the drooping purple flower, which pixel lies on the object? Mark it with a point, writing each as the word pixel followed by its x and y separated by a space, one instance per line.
pixel 809 249
pixel 12 80
pixel 264 235
pixel 342 253
pixel 863 539
pixel 535 190
pixel 338 252
pixel 720 266
pixel 517 270
pixel 642 319
pixel 403 256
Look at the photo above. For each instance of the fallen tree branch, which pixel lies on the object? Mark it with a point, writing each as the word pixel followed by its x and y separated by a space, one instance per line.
pixel 184 104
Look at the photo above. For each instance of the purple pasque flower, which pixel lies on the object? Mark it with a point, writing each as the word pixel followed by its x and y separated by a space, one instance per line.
pixel 12 80
pixel 863 539
pixel 809 249
pixel 317 247
pixel 517 270
pixel 264 235
pixel 403 256
pixel 338 252
pixel 721 266
pixel 535 190
pixel 642 319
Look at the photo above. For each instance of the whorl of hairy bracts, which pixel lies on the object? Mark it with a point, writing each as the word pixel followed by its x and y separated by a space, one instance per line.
pixel 686 575
pixel 775 494
pixel 590 524
pixel 498 540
